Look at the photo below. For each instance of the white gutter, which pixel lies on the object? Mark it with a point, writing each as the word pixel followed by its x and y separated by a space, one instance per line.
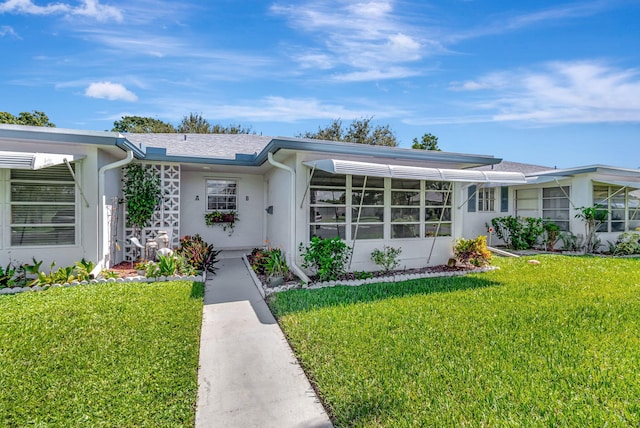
pixel 292 219
pixel 103 235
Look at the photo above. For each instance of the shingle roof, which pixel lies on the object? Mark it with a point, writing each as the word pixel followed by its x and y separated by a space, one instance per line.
pixel 506 166
pixel 221 146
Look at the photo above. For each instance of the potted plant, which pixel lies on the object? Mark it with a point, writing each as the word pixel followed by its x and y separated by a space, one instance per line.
pixel 226 219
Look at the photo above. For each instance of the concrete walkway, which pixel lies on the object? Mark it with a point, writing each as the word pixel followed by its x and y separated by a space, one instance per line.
pixel 248 375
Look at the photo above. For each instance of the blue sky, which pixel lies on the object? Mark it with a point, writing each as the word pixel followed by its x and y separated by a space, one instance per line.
pixel 547 82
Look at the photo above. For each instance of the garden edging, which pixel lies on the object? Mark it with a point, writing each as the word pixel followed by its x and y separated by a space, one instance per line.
pixel 16 290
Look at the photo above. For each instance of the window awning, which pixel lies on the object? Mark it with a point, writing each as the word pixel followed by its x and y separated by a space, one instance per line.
pixel 25 160
pixel 338 166
pixel 629 184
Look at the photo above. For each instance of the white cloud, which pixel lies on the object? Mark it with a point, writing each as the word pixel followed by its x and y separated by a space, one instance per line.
pixel 363 39
pixel 89 8
pixel 562 92
pixel 6 30
pixel 110 91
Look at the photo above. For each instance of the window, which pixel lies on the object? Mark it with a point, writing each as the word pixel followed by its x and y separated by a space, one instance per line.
pixel 623 205
pixel 328 205
pixel 555 206
pixel 350 206
pixel 437 208
pixel 405 208
pixel 222 195
pixel 486 199
pixel 368 220
pixel 43 207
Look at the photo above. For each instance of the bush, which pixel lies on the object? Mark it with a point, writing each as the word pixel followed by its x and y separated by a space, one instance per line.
pixel 519 233
pixel 628 243
pixel 472 251
pixel 551 235
pixel 326 257
pixel 387 258
pixel 198 253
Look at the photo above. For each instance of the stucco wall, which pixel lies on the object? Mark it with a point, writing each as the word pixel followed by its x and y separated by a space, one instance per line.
pixel 249 229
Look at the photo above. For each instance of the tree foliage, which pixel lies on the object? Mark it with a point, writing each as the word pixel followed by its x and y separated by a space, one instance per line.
pixel 359 131
pixel 194 124
pixel 142 194
pixel 142 125
pixel 35 118
pixel 427 142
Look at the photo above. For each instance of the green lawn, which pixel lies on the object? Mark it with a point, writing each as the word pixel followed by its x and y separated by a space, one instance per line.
pixel 102 355
pixel 555 344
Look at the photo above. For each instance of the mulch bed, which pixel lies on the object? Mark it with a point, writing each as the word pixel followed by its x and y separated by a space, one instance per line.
pixel 376 274
pixel 124 270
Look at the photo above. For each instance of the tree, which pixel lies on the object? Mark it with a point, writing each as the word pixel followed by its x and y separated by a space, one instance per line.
pixel 142 193
pixel 428 142
pixel 37 118
pixel 359 131
pixel 142 125
pixel 231 129
pixel 194 124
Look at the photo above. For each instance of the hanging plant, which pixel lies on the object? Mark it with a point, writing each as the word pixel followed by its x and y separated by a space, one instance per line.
pixel 226 219
pixel 142 192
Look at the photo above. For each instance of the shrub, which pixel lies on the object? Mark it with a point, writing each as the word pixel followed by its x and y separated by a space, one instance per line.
pixel 7 276
pixel 519 233
pixel 551 235
pixel 275 262
pixel 628 243
pixel 198 253
pixel 387 258
pixel 472 251
pixel 592 217
pixel 326 257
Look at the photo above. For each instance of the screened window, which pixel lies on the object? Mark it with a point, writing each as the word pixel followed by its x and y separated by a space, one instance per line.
pixel 622 204
pixel 43 207
pixel 222 195
pixel 556 206
pixel 328 205
pixel 405 208
pixel 367 212
pixel 437 208
pixel 354 207
pixel 487 199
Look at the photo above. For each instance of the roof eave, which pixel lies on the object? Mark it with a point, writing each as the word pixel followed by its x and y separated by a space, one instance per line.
pixel 369 150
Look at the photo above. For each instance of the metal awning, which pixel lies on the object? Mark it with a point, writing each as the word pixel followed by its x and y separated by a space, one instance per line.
pixel 629 184
pixel 25 160
pixel 338 166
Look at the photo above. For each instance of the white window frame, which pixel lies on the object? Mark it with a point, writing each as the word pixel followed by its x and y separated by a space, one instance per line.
pixel 612 193
pixel 67 206
pixel 227 206
pixel 426 226
pixel 487 199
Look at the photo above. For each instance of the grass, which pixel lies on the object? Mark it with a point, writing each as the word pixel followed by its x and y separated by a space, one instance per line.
pixel 101 355
pixel 534 345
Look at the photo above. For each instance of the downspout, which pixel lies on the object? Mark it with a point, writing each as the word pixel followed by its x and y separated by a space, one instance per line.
pixel 292 219
pixel 103 236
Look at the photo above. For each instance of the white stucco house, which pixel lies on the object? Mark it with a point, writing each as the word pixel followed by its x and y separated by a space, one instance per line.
pixel 61 190
pixel 557 195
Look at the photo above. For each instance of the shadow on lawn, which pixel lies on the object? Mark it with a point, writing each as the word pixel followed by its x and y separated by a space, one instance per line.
pixel 293 301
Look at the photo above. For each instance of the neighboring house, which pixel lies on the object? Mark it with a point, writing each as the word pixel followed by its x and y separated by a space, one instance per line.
pixel 558 195
pixel 62 192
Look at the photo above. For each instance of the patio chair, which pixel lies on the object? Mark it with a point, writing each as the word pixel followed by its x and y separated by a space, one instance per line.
pixel 136 243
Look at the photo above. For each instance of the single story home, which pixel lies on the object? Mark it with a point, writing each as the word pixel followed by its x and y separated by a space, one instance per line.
pixel 557 195
pixel 62 194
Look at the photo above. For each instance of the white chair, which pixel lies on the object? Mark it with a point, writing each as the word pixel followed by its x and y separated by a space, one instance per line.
pixel 136 243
